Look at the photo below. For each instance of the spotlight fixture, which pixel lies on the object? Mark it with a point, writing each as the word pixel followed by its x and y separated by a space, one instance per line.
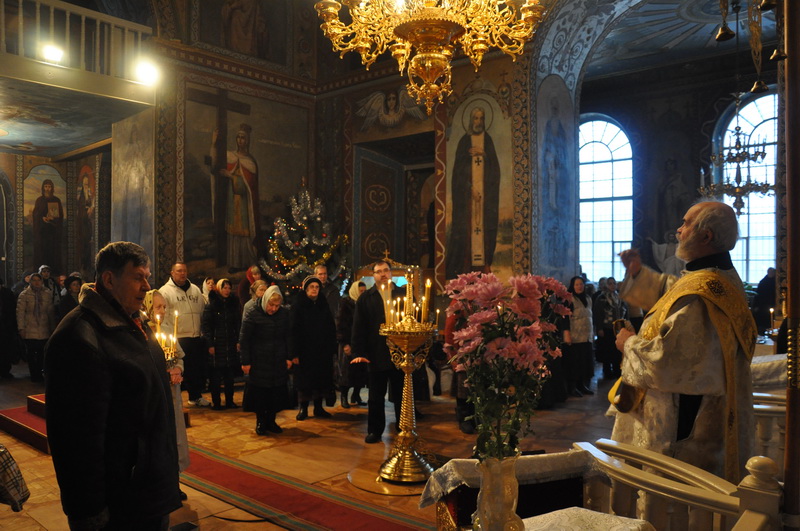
pixel 147 72
pixel 52 53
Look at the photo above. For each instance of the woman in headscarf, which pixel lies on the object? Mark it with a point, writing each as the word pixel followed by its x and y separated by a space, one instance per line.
pixel 578 337
pixel 220 326
pixel 36 321
pixel 209 285
pixel 265 358
pixel 257 290
pixel 313 347
pixel 154 308
pixel 72 288
pixel 349 374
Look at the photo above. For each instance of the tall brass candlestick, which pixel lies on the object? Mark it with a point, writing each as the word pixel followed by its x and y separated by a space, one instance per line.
pixel 409 342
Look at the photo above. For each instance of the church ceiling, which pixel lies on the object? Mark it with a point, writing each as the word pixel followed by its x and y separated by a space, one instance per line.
pixel 660 32
pixel 49 121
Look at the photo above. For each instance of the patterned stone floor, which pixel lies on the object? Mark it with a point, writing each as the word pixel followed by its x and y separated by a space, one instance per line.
pixel 322 452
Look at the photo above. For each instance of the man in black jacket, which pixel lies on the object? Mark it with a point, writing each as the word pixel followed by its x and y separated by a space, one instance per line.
pixel 110 420
pixel 369 344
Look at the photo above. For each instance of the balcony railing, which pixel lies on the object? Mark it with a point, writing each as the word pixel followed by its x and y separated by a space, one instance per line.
pixel 91 41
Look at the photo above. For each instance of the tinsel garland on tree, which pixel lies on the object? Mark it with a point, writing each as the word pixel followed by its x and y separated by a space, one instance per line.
pixel 296 247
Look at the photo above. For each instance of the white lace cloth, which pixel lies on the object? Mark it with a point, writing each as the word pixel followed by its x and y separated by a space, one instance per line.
pixel 530 469
pixel 580 519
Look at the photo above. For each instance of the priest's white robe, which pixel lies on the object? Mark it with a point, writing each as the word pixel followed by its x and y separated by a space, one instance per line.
pixel 685 357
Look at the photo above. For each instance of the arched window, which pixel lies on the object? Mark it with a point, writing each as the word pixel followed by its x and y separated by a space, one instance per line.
pixel 606 197
pixel 755 251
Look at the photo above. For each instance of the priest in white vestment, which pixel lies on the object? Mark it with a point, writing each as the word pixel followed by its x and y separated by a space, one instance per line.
pixel 691 358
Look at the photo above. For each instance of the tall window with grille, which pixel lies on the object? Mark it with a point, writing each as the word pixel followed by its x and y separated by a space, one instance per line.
pixel 755 251
pixel 606 197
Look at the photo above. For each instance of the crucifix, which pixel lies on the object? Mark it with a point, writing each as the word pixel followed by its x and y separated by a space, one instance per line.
pixel 223 104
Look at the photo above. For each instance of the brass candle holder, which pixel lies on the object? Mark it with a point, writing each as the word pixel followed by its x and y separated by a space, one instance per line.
pixel 409 342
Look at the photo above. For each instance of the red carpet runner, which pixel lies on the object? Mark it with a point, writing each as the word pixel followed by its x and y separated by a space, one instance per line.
pixel 285 501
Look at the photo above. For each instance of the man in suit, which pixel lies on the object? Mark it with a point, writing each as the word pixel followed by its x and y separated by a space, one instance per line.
pixel 368 345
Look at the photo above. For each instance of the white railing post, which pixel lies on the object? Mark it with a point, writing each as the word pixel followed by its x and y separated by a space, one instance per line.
pixel 760 493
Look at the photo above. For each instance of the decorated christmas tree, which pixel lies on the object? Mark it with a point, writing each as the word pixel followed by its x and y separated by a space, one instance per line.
pixel 298 245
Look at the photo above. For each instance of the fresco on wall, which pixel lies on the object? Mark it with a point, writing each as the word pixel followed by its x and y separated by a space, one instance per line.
pixel 388 110
pixel 45 214
pixel 252 28
pixel 479 182
pixel 244 157
pixel 85 207
pixel 133 174
pixel 557 179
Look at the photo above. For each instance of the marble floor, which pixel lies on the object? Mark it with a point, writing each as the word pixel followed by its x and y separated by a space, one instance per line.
pixel 321 452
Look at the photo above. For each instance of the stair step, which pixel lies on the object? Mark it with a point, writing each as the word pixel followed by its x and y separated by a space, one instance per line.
pixel 36 405
pixel 25 426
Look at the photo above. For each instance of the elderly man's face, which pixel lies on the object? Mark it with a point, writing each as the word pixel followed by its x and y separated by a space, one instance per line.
pixel 322 274
pixel 130 287
pixel 690 239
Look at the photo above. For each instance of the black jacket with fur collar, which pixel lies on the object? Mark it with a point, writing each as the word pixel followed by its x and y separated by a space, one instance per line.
pixel 110 420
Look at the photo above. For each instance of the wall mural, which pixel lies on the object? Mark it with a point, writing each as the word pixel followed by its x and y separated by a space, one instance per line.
pixel 247 28
pixel 388 110
pixel 86 206
pixel 244 156
pixel 133 168
pixel 45 214
pixel 479 189
pixel 557 179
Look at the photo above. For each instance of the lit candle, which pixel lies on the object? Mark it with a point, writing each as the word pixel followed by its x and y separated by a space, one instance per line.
pixel 425 300
pixel 158 325
pixel 423 311
pixel 175 328
pixel 437 318
pixel 772 318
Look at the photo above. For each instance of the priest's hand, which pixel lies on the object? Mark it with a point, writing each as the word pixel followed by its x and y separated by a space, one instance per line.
pixel 632 261
pixel 622 337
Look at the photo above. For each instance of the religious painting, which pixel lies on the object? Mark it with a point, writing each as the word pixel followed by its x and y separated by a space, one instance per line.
pixel 479 203
pixel 133 175
pixel 255 29
pixel 85 207
pixel 244 157
pixel 388 114
pixel 45 214
pixel 558 179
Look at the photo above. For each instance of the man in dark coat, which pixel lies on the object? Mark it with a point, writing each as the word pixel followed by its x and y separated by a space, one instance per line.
pixel 110 420
pixel 368 344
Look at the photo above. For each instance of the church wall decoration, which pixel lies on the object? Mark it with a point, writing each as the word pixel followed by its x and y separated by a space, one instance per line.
pixel 558 180
pixel 133 170
pixel 253 31
pixel 44 215
pixel 242 151
pixel 479 187
pixel 388 113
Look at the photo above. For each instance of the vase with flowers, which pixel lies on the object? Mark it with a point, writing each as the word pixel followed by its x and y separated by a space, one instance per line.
pixel 505 333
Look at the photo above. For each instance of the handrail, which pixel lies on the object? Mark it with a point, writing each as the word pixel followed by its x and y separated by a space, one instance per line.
pixel 769 398
pixel 691 495
pixel 91 41
pixel 685 472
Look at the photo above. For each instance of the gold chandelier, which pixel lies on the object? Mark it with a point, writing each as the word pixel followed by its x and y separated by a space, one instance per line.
pixel 424 34
pixel 743 152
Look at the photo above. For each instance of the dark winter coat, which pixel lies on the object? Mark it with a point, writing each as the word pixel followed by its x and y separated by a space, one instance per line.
pixel 110 420
pixel 264 342
pixel 344 321
pixel 313 342
pixel 366 340
pixel 220 325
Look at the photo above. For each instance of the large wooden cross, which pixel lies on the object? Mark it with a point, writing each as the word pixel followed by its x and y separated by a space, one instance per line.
pixel 223 104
